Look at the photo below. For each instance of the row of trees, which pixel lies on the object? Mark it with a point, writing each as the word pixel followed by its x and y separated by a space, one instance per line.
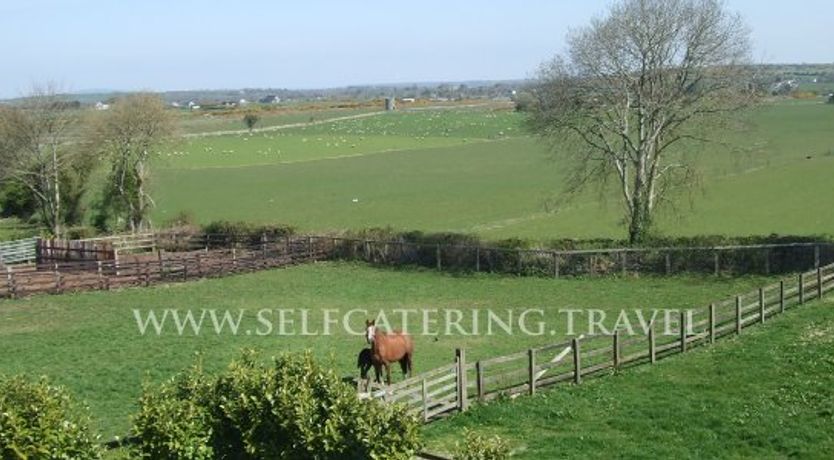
pixel 49 151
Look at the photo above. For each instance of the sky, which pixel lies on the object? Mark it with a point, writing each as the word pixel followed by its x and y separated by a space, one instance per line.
pixel 189 44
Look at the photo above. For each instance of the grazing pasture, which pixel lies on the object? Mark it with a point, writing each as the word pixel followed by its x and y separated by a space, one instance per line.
pixel 92 343
pixel 765 394
pixel 202 121
pixel 474 170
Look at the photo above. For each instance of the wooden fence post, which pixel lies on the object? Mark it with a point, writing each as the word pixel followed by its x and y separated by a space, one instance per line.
pixel 624 263
pixel 738 314
pixel 531 371
pixel 161 265
pixel 781 296
pixel 425 401
pixel 761 305
pixel 100 273
pixel 263 245
pixel 712 323
pixel 616 349
pixel 199 265
pixel 57 278
pixel 819 282
pixel 652 350
pixel 717 267
pixel 577 362
pixel 437 257
pixel 477 259
pixel 460 354
pixel 479 380
pixel 683 332
pixel 817 256
pixel 801 288
pixel 10 282
pixel 147 275
pixel 310 247
pixel 234 258
pixel 767 261
pixel 555 265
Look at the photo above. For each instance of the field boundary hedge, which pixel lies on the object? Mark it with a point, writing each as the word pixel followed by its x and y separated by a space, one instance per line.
pixel 472 256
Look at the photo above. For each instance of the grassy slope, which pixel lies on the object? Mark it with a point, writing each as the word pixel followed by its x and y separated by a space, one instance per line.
pixel 90 341
pixel 448 178
pixel 767 394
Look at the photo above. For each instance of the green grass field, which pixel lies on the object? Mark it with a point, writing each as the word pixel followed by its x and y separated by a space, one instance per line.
pixel 11 229
pixel 766 394
pixel 207 121
pixel 474 170
pixel 91 342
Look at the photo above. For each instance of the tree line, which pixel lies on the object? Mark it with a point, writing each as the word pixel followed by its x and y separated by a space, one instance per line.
pixel 50 150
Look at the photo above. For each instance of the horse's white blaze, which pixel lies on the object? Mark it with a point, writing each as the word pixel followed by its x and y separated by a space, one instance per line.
pixel 371 331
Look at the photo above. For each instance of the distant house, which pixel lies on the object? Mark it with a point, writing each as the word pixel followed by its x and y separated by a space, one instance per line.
pixel 271 99
pixel 243 102
pixel 175 104
pixel 408 99
pixel 193 105
pixel 102 106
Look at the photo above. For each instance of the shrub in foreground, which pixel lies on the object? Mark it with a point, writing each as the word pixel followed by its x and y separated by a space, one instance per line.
pixel 40 421
pixel 478 447
pixel 291 408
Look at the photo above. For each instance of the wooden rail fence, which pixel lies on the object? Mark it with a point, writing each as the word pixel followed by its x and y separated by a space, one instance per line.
pixel 18 251
pixel 454 387
pixel 153 267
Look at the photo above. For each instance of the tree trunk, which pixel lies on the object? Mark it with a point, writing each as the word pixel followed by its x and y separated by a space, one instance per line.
pixel 56 224
pixel 640 218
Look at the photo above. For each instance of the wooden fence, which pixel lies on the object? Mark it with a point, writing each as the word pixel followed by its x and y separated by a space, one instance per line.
pixel 154 267
pixel 454 387
pixel 742 259
pixel 18 251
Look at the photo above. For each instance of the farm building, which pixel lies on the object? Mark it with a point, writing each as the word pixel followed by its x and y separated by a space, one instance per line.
pixel 271 99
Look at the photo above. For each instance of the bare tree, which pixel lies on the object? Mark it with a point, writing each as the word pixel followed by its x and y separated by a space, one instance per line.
pixel 633 87
pixel 35 150
pixel 127 136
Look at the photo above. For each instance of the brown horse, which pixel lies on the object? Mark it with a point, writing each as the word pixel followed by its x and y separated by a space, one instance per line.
pixel 387 348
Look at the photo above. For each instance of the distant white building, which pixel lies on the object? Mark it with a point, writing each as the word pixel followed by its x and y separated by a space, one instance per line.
pixel 102 106
pixel 243 102
pixel 193 105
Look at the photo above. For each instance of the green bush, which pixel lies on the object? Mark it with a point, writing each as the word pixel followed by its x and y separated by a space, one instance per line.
pixel 173 422
pixel 40 421
pixel 292 408
pixel 477 447
pixel 247 232
pixel 16 201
